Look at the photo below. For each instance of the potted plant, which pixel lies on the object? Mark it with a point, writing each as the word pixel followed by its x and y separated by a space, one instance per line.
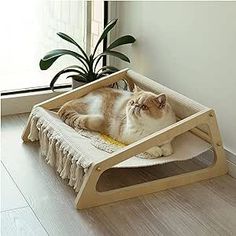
pixel 87 70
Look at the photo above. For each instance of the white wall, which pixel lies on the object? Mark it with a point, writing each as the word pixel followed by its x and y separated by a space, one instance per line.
pixel 191 48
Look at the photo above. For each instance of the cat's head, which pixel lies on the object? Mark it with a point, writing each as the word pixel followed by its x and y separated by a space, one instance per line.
pixel 144 105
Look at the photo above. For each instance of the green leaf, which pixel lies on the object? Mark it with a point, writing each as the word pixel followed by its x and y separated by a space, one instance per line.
pixel 112 68
pixel 105 72
pixel 77 67
pixel 61 52
pixel 44 65
pixel 110 53
pixel 108 28
pixel 69 39
pixel 115 54
pixel 55 78
pixel 121 41
pixel 78 78
pixel 53 55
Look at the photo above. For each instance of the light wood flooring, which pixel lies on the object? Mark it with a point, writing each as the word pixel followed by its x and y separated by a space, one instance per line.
pixel 35 201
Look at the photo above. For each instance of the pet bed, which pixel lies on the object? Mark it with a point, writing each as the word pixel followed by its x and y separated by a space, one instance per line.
pixel 82 156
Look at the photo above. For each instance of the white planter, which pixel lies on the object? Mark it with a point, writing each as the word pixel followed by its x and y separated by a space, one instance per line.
pixel 76 84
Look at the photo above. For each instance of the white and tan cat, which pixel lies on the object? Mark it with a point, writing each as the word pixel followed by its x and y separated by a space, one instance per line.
pixel 124 116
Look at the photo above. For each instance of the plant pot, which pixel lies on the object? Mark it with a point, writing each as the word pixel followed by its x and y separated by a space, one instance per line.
pixel 76 84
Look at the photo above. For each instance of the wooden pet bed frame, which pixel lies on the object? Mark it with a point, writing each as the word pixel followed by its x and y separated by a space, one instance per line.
pixel 193 117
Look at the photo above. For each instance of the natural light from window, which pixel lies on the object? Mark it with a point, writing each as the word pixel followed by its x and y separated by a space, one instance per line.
pixel 28 31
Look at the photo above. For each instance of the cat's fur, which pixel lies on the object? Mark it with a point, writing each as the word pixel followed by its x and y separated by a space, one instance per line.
pixel 125 116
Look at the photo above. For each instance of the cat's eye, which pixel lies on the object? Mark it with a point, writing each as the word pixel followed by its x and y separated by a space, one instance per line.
pixel 131 102
pixel 144 107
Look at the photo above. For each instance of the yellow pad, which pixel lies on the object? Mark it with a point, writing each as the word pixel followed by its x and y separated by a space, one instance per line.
pixel 110 140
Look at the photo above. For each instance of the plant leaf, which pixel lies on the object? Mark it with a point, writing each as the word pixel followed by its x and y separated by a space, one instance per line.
pixel 44 65
pixel 77 67
pixel 57 52
pixel 108 28
pixel 78 78
pixel 115 54
pixel 110 53
pixel 108 67
pixel 106 72
pixel 55 78
pixel 53 55
pixel 69 39
pixel 121 41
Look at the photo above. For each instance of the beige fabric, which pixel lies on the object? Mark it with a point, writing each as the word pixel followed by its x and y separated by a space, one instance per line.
pixel 186 146
pixel 71 153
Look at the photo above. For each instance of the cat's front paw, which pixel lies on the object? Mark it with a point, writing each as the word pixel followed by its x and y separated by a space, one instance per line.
pixel 155 151
pixel 167 149
pixel 80 122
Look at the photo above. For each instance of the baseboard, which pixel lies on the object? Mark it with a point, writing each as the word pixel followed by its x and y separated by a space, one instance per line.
pixel 231 159
pixel 208 157
pixel 232 169
pixel 22 103
pixel 230 156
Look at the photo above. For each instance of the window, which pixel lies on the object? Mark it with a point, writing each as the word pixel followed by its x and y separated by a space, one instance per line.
pixel 30 29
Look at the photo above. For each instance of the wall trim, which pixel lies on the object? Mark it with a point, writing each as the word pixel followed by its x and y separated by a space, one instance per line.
pixel 232 169
pixel 208 156
pixel 23 103
pixel 231 159
pixel 230 156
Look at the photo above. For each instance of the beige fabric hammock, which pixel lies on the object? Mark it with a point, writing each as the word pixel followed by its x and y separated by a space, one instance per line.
pixel 72 152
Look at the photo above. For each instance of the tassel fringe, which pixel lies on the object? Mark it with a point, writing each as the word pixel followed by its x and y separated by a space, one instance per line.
pixel 68 162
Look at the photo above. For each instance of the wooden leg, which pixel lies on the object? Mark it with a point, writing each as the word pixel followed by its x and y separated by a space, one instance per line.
pixel 217 145
pixel 26 131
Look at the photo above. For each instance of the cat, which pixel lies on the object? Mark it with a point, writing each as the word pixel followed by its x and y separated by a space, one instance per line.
pixel 123 115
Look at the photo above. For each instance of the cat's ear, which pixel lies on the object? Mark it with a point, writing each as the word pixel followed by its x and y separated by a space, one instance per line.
pixel 136 89
pixel 161 100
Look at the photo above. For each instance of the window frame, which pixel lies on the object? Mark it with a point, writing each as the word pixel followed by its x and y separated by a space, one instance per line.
pixel 62 86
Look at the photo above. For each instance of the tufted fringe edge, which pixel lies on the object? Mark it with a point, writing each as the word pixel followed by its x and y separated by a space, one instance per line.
pixel 56 152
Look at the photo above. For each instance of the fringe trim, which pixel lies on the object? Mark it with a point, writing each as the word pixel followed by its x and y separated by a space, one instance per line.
pixel 56 151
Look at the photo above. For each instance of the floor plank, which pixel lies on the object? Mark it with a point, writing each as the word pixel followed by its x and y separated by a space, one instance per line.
pixel 11 197
pixel 205 208
pixel 20 222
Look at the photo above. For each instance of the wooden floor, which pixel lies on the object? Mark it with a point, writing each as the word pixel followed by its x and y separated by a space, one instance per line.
pixel 35 201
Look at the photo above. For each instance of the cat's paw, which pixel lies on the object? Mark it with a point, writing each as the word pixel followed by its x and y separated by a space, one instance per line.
pixel 68 122
pixel 79 122
pixel 167 149
pixel 155 151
